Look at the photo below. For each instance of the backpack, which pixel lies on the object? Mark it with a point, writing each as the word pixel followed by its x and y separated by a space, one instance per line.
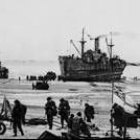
pixel 65 105
pixel 92 110
pixel 51 108
pixel 24 109
pixel 54 112
pixel 54 109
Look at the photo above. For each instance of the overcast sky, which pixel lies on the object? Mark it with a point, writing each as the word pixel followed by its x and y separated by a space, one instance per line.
pixel 42 29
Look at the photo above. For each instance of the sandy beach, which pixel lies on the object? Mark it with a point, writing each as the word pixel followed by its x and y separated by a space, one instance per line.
pixel 78 93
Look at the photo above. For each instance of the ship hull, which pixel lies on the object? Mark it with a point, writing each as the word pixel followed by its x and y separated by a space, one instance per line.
pixel 77 70
pixel 110 77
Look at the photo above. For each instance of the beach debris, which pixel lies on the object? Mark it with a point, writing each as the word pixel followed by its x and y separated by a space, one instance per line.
pixel 49 136
pixel 93 84
pixel 124 100
pixel 36 121
pixel 6 109
pixel 73 89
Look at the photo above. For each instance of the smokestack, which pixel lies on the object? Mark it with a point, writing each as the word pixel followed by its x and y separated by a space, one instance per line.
pixel 96 44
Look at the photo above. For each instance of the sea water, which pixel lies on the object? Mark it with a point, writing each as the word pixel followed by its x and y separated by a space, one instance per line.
pixel 24 68
pixel 32 67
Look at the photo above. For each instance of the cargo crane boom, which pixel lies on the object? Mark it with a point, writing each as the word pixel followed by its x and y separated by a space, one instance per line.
pixel 71 41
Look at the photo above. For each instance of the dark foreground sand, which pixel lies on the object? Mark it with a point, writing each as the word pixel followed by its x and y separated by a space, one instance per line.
pixel 78 93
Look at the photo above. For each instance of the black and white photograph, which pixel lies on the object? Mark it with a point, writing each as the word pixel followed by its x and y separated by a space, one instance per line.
pixel 69 69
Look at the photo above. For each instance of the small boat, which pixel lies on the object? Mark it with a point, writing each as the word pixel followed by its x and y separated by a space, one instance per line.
pixel 4 72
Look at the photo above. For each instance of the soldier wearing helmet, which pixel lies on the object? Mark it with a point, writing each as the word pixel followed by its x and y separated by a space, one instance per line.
pixel 89 112
pixel 17 115
pixel 64 111
pixel 50 111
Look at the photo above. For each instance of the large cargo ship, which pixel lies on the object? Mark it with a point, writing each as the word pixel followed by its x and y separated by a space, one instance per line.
pixel 4 72
pixel 91 65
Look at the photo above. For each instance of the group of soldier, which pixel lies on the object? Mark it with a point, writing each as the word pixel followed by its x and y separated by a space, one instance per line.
pixel 74 123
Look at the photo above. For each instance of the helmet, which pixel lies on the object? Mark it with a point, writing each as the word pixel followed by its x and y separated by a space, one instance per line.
pixel 62 99
pixel 79 114
pixel 72 115
pixel 17 102
pixel 49 98
pixel 86 104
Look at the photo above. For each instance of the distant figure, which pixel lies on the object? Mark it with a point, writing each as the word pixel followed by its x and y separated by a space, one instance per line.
pixel 89 112
pixel 17 115
pixel 19 78
pixel 27 78
pixel 64 111
pixel 33 86
pixel 79 126
pixel 70 122
pixel 50 111
pixel 135 78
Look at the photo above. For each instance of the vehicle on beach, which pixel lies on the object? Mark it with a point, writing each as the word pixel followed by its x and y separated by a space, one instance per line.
pixel 2 124
pixel 42 82
pixel 41 85
pixel 2 128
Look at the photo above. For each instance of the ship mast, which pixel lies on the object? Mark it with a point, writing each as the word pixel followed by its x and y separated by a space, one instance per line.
pixel 82 42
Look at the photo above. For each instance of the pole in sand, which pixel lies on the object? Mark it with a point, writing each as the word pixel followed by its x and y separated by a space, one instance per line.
pixel 112 79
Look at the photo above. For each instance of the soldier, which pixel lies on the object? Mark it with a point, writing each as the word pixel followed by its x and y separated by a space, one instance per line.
pixel 117 114
pixel 50 111
pixel 17 115
pixel 19 79
pixel 64 111
pixel 79 126
pixel 70 122
pixel 89 112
